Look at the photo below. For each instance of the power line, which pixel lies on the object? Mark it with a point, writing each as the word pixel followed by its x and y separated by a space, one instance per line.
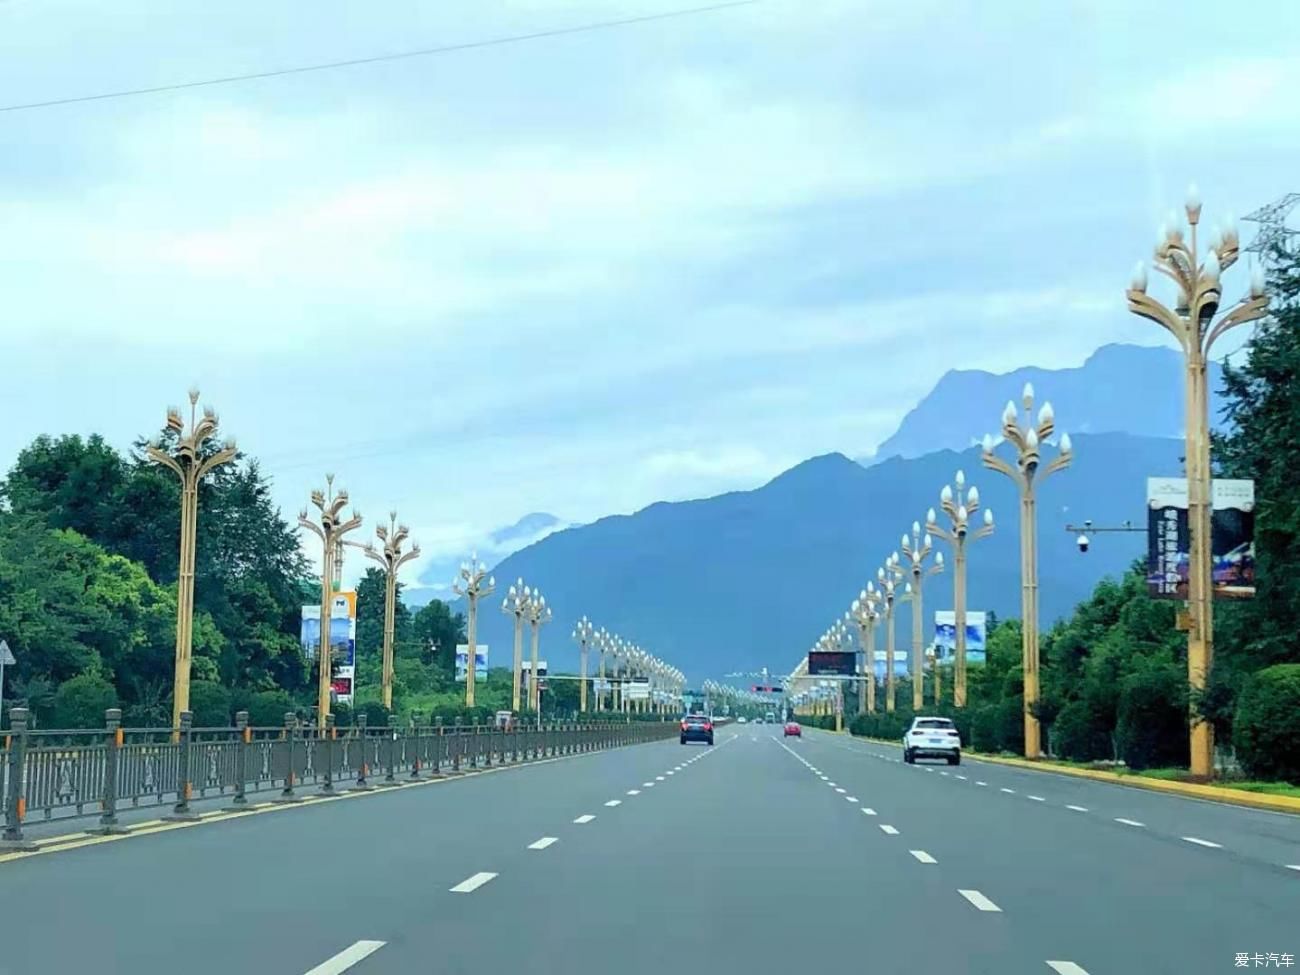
pixel 378 58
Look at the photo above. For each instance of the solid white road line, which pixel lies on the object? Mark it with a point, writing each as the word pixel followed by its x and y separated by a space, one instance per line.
pixel 543 843
pixel 1078 808
pixel 1066 968
pixel 346 958
pixel 634 792
pixel 614 802
pixel 585 818
pixel 1129 822
pixel 868 811
pixel 923 856
pixel 979 900
pixel 1010 792
pixel 1036 798
pixel 888 830
pixel 1200 842
pixel 471 884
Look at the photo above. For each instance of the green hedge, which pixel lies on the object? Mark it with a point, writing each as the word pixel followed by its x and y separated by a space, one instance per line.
pixel 1266 730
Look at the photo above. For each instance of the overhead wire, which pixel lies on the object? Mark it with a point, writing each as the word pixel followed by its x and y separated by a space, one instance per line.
pixel 379 58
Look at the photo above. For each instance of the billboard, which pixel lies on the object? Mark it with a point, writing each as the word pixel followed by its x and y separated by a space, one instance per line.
pixel 840 663
pixel 637 690
pixel 945 636
pixel 901 668
pixel 342 641
pixel 480 661
pixel 526 674
pixel 1232 538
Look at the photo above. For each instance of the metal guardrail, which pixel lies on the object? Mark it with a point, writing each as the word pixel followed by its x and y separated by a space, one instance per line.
pixel 69 774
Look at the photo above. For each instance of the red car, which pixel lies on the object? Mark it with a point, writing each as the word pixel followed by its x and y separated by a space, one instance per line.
pixel 791 728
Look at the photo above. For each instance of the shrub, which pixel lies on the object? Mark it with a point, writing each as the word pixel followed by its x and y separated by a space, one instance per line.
pixel 1151 726
pixel 1079 735
pixel 80 702
pixel 1266 730
pixel 266 709
pixel 210 704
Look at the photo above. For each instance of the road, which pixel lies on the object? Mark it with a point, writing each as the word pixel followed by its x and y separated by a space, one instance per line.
pixel 823 854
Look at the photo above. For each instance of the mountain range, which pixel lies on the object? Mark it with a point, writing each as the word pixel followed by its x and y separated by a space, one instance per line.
pixel 1084 398
pixel 749 579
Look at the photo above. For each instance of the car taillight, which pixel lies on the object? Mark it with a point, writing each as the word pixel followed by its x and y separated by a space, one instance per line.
pixel 952 734
pixel 708 727
pixel 684 726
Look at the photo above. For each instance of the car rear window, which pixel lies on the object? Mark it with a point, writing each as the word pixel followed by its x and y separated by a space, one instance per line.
pixel 697 719
pixel 934 723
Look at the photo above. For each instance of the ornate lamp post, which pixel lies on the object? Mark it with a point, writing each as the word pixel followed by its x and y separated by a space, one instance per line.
pixel 885 576
pixel 538 613
pixel 330 531
pixel 1027 439
pixel 515 604
pixel 188 464
pixel 583 632
pixel 916 548
pixel 865 611
pixel 957 534
pixel 391 557
pixel 603 641
pixel 1192 322
pixel 473 583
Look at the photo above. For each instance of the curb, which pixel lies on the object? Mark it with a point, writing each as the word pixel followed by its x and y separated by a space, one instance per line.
pixel 1211 793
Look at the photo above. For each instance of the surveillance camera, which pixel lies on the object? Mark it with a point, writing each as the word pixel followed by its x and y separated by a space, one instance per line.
pixel 1082 542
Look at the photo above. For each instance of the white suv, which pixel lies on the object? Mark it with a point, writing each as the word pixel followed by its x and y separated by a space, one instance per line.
pixel 932 738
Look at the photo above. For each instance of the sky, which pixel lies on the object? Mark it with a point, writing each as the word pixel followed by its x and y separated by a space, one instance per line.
pixel 583 273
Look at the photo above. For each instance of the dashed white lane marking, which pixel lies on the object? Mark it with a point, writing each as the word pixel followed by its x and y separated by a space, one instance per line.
pixel 543 843
pixel 962 777
pixel 1293 866
pixel 659 778
pixel 943 773
pixel 1129 822
pixel 981 783
pixel 888 830
pixel 585 818
pixel 1066 968
pixel 1200 842
pixel 979 900
pixel 471 884
pixel 841 791
pixel 614 802
pixel 670 772
pixel 928 769
pixel 923 856
pixel 851 798
pixel 647 785
pixel 1078 808
pixel 1036 798
pixel 634 792
pixel 346 958
pixel 1010 792
pixel 868 811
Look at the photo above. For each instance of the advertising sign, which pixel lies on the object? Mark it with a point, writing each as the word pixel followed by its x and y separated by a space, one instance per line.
pixel 527 674
pixel 480 661
pixel 342 641
pixel 945 636
pixel 900 664
pixel 1232 540
pixel 636 691
pixel 840 663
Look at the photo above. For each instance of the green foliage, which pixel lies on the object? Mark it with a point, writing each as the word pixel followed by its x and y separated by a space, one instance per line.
pixel 1268 724
pixel 81 701
pixel 1152 722
pixel 266 709
pixel 210 705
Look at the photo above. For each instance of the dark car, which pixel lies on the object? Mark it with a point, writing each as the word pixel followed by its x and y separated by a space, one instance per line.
pixel 697 727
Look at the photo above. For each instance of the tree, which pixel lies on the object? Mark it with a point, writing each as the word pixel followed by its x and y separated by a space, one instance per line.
pixel 435 632
pixel 1268 723
pixel 210 704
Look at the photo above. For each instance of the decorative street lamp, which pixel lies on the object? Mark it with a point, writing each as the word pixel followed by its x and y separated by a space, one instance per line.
pixel 473 583
pixel 583 632
pixel 392 558
pixel 957 535
pixel 1027 439
pixel 188 464
pixel 865 611
pixel 518 596
pixel 885 577
pixel 604 641
pixel 330 531
pixel 538 613
pixel 916 548
pixel 1191 321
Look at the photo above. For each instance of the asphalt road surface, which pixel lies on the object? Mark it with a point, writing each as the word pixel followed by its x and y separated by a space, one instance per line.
pixel 758 855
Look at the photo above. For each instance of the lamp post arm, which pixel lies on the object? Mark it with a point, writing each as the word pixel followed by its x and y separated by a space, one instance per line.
pixel 1248 311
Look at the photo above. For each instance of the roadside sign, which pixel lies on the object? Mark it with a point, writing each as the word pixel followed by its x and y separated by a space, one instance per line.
pixel 7 658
